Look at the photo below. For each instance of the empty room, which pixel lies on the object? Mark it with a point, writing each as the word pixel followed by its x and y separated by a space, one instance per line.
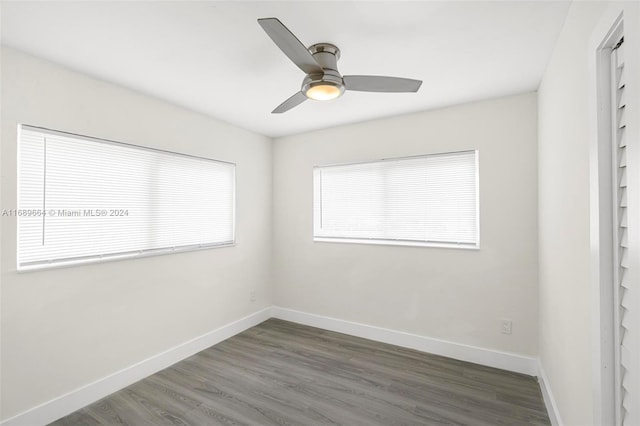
pixel 359 213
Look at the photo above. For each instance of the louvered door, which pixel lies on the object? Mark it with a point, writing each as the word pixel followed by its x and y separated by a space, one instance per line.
pixel 621 250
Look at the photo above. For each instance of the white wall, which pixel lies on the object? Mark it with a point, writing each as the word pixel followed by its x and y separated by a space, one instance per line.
pixel 567 312
pixel 451 294
pixel 65 328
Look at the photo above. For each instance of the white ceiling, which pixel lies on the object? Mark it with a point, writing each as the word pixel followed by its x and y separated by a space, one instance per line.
pixel 213 57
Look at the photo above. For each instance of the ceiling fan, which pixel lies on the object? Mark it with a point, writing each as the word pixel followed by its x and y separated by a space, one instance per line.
pixel 323 82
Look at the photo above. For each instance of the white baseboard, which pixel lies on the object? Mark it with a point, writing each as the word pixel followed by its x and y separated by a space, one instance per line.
pixel 491 358
pixel 547 395
pixel 85 395
pixel 81 397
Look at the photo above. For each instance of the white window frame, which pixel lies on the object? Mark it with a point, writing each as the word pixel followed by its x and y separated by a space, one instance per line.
pixel 63 263
pixel 406 243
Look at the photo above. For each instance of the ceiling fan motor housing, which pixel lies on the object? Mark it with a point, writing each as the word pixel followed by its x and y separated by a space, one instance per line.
pixel 326 55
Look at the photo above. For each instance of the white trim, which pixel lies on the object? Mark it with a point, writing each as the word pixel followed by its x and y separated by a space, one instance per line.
pixel 491 358
pixel 547 395
pixel 68 403
pixel 601 238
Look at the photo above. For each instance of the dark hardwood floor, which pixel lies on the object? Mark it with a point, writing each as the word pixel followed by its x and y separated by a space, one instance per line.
pixel 280 373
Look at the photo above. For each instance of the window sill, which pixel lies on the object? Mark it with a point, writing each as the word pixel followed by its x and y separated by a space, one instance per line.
pixel 396 243
pixel 115 257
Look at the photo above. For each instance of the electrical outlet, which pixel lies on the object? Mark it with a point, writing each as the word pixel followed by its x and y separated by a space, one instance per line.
pixel 506 325
pixel 252 296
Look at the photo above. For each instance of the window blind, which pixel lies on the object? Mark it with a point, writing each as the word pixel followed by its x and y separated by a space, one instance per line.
pixel 425 200
pixel 83 199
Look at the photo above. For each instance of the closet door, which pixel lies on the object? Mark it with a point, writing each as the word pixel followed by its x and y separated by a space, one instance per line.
pixel 622 298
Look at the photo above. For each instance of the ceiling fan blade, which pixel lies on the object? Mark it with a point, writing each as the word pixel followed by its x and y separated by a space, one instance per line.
pixel 292 102
pixel 375 83
pixel 290 45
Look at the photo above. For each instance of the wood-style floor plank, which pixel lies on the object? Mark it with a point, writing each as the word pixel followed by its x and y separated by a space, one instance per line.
pixel 281 373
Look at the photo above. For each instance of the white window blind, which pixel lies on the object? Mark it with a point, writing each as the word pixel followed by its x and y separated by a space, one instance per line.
pixel 426 200
pixel 82 199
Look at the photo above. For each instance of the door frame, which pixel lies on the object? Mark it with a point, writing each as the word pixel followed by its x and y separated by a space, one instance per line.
pixel 604 37
pixel 617 17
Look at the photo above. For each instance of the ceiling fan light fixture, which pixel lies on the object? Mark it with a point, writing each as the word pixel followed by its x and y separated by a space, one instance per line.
pixel 324 91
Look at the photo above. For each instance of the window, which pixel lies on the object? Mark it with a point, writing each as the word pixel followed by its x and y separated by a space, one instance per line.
pixel 429 200
pixel 83 199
